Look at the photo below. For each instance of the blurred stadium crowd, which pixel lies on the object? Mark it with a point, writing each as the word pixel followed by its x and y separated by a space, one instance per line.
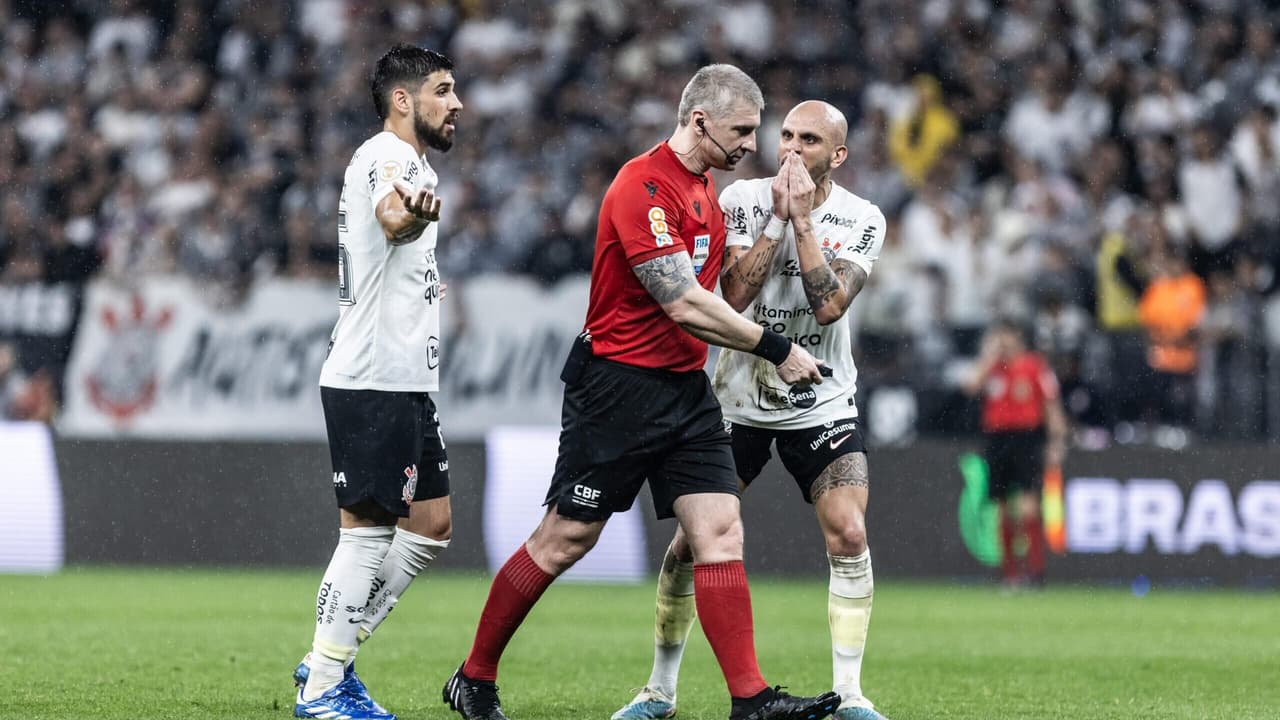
pixel 1108 172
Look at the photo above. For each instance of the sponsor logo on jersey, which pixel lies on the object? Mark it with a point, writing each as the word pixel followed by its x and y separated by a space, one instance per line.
pixel 697 208
pixel 413 173
pixel 802 396
pixel 764 312
pixel 410 484
pixel 651 187
pixel 868 237
pixel 830 433
pixel 791 268
pixel 433 352
pixel 339 479
pixel 126 376
pixel 833 219
pixel 736 220
pixel 701 250
pixel 658 226
pixel 772 398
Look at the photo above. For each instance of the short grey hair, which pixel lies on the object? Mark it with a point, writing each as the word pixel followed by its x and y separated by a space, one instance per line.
pixel 718 89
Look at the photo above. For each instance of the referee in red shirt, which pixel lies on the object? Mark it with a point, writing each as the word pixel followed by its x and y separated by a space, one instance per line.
pixel 1019 404
pixel 639 408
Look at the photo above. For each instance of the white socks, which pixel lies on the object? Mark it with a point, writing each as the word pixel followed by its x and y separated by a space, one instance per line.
pixel 340 603
pixel 409 555
pixel 848 613
pixel 673 619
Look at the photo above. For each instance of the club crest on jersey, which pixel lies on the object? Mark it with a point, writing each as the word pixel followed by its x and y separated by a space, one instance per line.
pixel 410 484
pixel 829 248
pixel 701 251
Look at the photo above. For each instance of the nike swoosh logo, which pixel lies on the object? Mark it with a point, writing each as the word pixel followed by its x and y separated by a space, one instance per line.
pixel 837 443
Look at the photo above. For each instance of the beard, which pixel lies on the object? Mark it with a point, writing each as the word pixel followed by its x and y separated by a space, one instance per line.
pixel 433 138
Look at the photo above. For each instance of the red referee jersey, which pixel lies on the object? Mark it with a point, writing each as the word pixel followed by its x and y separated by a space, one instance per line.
pixel 654 207
pixel 1015 394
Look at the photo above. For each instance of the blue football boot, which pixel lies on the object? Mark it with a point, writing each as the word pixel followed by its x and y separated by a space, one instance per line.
pixel 857 712
pixel 340 703
pixel 349 679
pixel 647 705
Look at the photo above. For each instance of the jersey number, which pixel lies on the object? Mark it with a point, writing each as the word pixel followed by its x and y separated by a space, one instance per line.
pixel 346 293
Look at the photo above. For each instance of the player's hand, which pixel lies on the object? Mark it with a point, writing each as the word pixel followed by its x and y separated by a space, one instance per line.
pixel 422 204
pixel 778 188
pixel 800 189
pixel 800 368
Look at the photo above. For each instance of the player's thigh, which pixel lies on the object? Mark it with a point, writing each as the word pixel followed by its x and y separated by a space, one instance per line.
pixel 825 458
pixel 611 427
pixel 375 447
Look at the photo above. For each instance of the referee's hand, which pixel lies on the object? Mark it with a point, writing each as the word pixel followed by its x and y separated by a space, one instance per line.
pixel 422 204
pixel 800 368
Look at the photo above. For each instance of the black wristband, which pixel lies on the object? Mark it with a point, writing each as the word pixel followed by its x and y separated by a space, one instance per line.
pixel 773 347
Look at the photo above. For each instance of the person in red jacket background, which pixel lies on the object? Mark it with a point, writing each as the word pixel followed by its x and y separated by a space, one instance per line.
pixel 1025 430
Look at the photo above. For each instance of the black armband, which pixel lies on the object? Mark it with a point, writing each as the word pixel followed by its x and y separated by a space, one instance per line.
pixel 772 347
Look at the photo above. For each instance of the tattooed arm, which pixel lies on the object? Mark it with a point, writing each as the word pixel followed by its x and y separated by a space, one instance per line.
pixel 829 287
pixel 745 270
pixel 671 282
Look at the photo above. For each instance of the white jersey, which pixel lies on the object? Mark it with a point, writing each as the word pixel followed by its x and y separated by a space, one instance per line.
pixel 388 331
pixel 847 227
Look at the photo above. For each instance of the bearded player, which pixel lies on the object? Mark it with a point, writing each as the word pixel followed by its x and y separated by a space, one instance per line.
pixel 799 248
pixel 390 470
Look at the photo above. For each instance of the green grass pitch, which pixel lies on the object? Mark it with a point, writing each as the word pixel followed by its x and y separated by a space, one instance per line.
pixel 136 644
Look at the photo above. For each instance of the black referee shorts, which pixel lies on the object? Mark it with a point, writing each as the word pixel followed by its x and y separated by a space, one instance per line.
pixel 622 425
pixel 1015 462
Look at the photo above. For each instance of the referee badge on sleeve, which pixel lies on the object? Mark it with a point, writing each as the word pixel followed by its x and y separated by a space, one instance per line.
pixel 701 249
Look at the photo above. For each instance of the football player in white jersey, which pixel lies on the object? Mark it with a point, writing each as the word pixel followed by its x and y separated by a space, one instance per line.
pixel 799 250
pixel 390 469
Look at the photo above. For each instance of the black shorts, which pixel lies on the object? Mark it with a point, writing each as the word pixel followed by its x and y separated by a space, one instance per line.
pixel 1015 462
pixel 622 425
pixel 804 453
pixel 385 446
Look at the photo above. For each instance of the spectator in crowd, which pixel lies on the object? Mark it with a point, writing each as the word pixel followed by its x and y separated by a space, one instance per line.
pixel 918 140
pixel 1171 310
pixel 167 136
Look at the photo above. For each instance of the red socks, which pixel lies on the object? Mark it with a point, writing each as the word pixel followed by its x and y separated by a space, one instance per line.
pixel 724 609
pixel 515 590
pixel 1009 556
pixel 1034 532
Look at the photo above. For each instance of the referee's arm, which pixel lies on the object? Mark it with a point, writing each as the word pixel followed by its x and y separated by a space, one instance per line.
pixel 669 279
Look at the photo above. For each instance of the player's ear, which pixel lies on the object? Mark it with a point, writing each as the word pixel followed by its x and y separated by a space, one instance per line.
pixel 841 154
pixel 401 101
